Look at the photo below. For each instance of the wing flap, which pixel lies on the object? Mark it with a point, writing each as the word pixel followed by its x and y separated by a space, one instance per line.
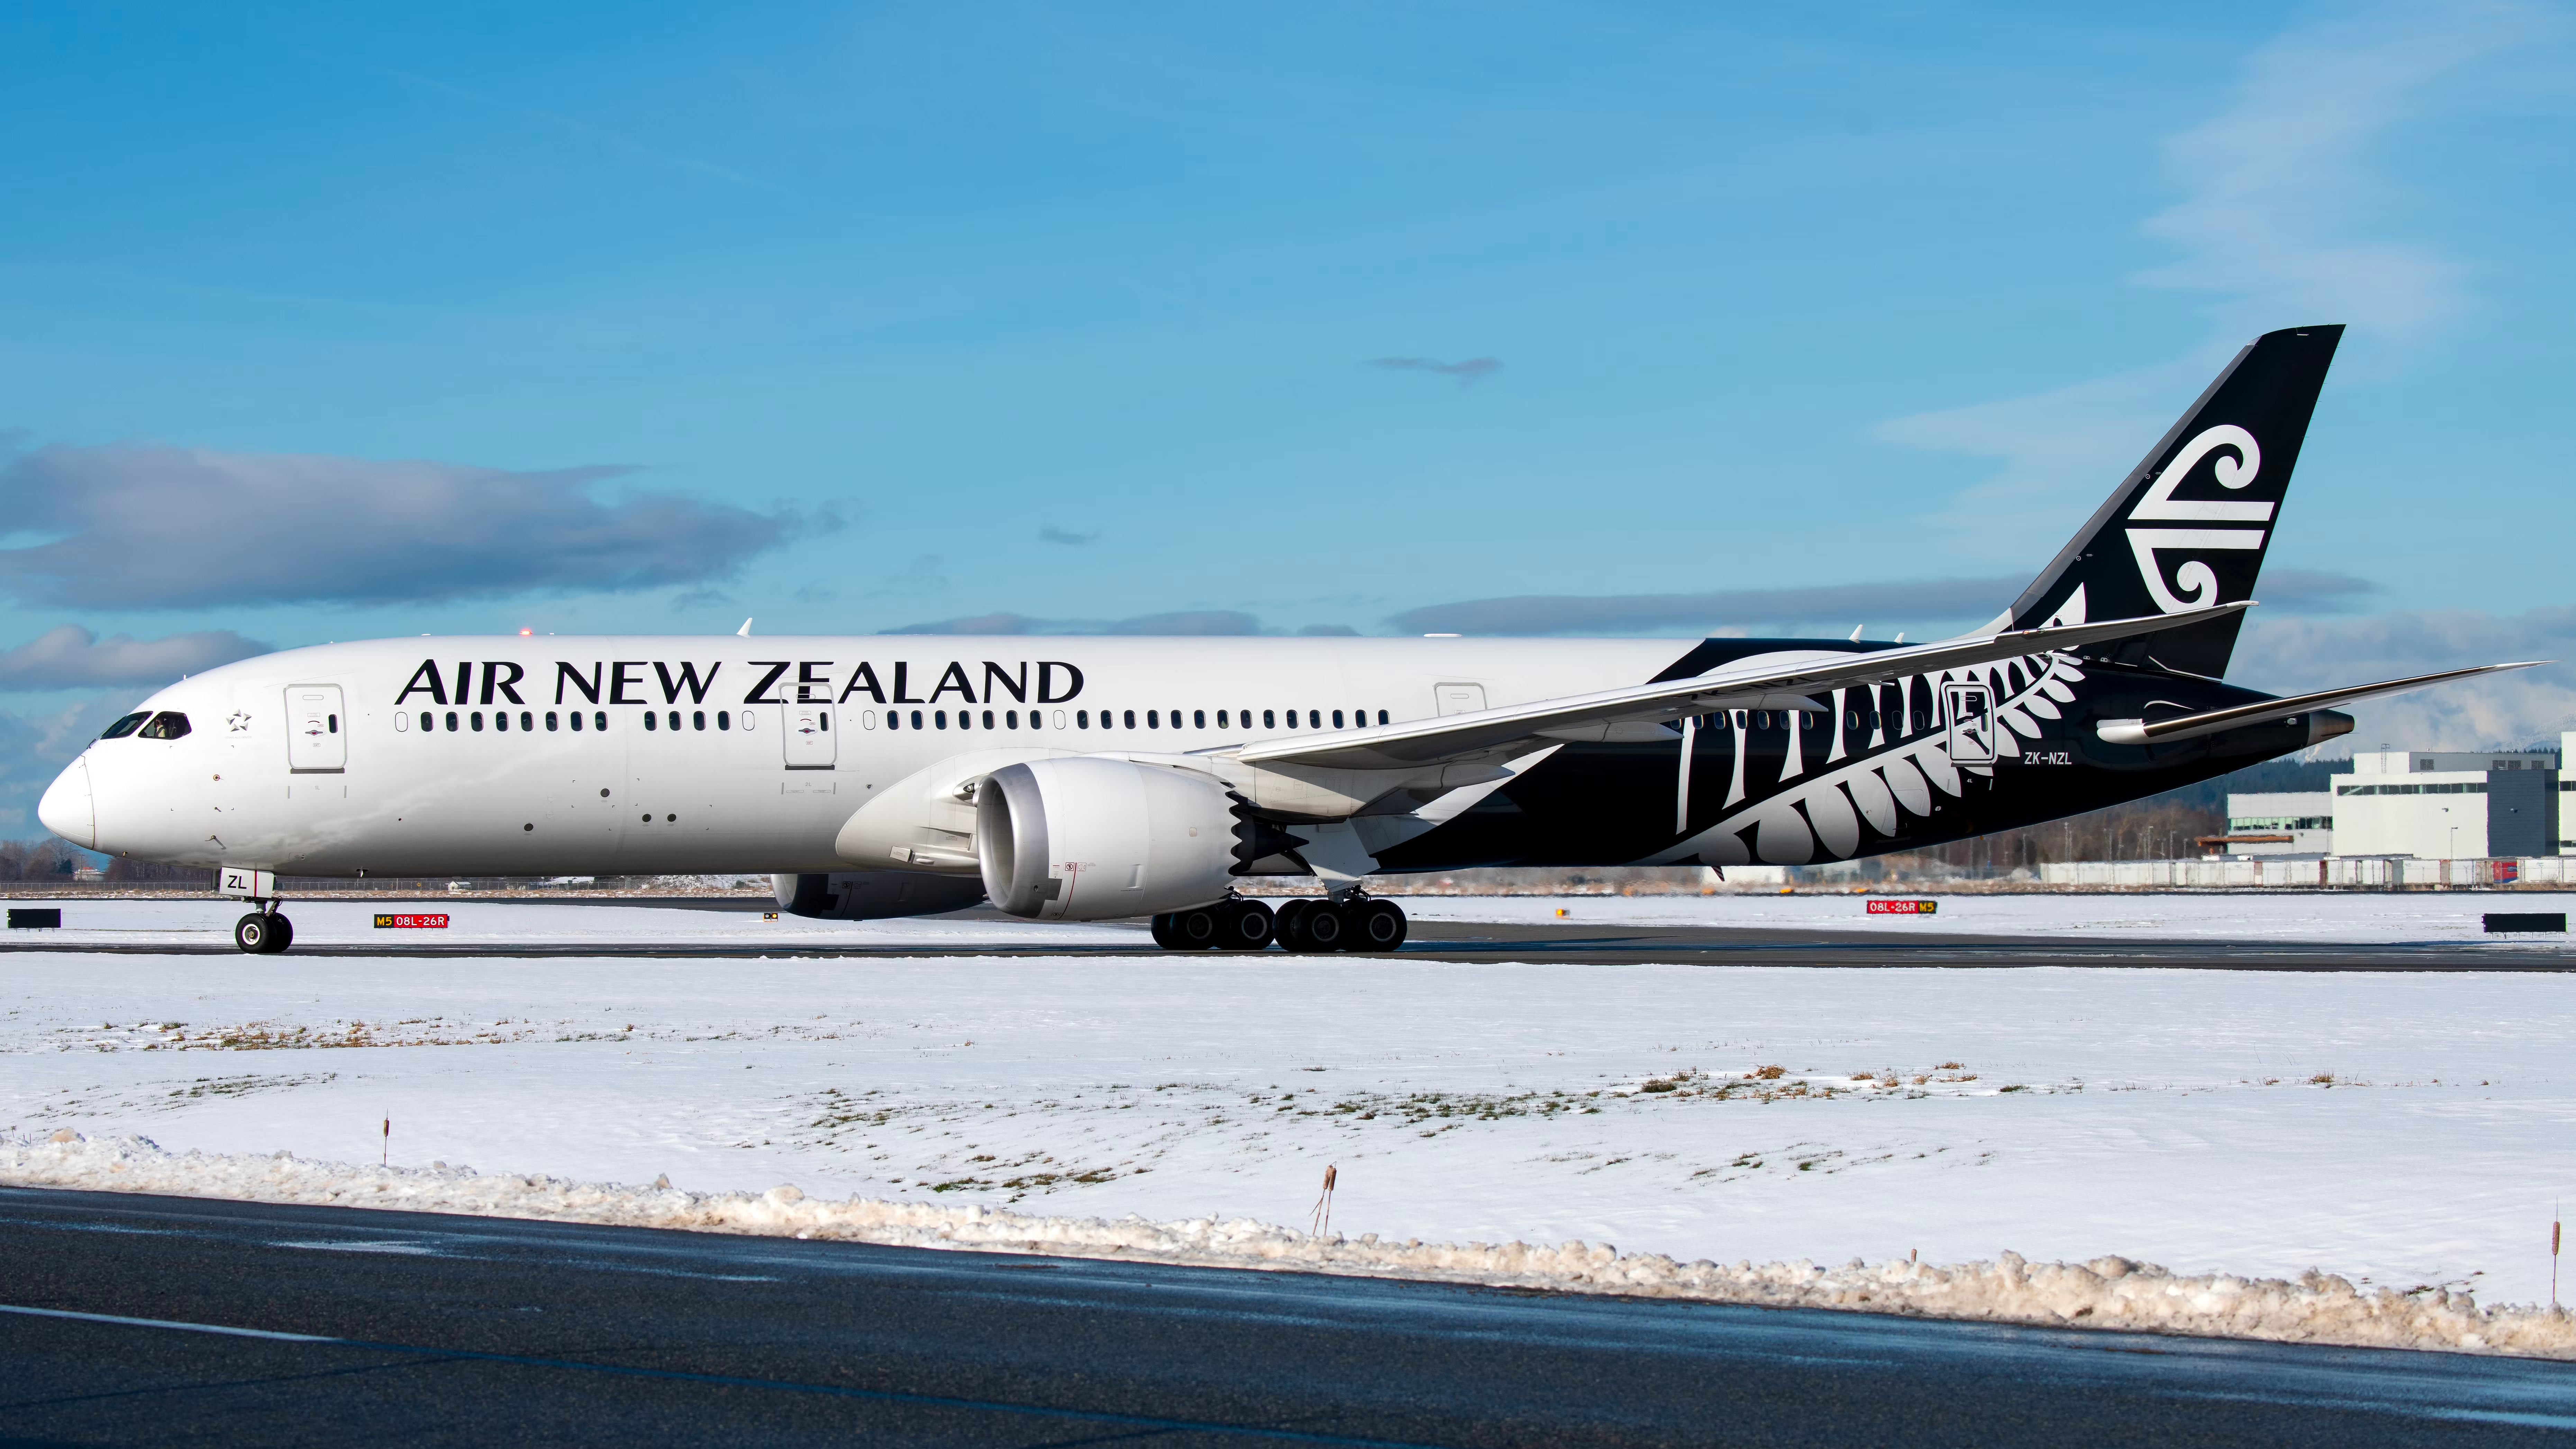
pixel 1448 737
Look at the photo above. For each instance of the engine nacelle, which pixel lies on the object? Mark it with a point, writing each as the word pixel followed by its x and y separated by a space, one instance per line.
pixel 874 895
pixel 1092 839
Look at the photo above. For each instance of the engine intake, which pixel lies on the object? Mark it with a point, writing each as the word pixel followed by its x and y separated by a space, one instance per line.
pixel 1090 839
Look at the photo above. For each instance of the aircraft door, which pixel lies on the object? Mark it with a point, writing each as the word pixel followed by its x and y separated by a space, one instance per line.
pixel 1459 698
pixel 808 737
pixel 1970 708
pixel 317 729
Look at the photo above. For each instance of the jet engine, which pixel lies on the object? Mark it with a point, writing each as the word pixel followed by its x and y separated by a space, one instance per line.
pixel 1084 838
pixel 874 895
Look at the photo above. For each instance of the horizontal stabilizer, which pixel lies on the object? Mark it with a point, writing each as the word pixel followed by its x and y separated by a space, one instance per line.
pixel 1771 685
pixel 2210 722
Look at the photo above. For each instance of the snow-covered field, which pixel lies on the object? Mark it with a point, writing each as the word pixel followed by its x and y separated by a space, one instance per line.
pixel 2406 1130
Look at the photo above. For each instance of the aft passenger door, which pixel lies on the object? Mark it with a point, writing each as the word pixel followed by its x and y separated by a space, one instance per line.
pixel 317 729
pixel 808 737
pixel 1972 723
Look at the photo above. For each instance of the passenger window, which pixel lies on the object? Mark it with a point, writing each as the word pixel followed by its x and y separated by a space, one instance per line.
pixel 1381 716
pixel 1082 719
pixel 1337 719
pixel 940 718
pixel 651 720
pixel 126 726
pixel 1314 719
pixel 1198 717
pixel 675 720
pixel 169 724
pixel 1269 721
pixel 1131 719
pixel 988 719
pixel 823 721
pixel 1152 720
pixel 576 721
pixel 554 721
pixel 335 722
pixel 724 719
pixel 916 719
pixel 501 720
pixel 476 720
pixel 599 719
pixel 451 722
pixel 1011 717
pixel 1220 719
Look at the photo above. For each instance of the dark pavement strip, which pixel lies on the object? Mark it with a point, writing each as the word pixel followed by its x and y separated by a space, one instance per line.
pixel 253 1323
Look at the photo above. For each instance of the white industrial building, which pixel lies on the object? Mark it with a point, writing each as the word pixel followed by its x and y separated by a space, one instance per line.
pixel 2425 804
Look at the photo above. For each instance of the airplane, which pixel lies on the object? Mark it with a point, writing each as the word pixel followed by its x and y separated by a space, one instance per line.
pixel 1086 779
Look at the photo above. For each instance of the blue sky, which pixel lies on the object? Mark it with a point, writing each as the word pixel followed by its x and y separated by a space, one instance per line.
pixel 325 323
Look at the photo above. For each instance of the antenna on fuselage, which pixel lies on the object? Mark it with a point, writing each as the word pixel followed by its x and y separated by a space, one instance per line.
pixel 745 630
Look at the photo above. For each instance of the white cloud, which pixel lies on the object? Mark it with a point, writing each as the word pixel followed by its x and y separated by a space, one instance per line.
pixel 2287 656
pixel 2285 217
pixel 71 657
pixel 2060 451
pixel 2280 189
pixel 131 526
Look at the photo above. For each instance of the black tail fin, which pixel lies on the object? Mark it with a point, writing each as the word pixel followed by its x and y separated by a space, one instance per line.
pixel 2189 527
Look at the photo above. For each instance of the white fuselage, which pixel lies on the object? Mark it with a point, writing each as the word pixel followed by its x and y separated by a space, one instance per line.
pixel 458 755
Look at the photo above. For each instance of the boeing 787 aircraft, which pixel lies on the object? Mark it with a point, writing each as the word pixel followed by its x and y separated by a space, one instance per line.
pixel 1084 779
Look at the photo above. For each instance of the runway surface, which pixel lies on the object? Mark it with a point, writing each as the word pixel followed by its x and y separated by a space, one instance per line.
pixel 131 1319
pixel 1539 943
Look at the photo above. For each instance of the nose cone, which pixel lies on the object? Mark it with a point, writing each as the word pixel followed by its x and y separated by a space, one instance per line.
pixel 66 808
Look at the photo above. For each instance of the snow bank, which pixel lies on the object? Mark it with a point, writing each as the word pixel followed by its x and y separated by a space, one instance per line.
pixel 2110 1293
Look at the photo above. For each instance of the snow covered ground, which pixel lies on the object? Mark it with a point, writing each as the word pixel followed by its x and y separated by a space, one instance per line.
pixel 2406 1130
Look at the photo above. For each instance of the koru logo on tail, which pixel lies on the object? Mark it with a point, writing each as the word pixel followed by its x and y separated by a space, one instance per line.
pixel 2197 583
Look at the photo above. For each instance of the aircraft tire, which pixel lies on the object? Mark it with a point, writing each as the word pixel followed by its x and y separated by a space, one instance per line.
pixel 1327 927
pixel 257 934
pixel 1290 927
pixel 1244 926
pixel 1162 927
pixel 284 930
pixel 1197 930
pixel 1375 926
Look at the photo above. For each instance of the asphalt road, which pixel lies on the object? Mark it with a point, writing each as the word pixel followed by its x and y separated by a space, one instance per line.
pixel 131 1320
pixel 1571 942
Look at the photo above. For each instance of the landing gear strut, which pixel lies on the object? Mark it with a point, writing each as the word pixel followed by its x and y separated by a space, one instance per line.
pixel 264 932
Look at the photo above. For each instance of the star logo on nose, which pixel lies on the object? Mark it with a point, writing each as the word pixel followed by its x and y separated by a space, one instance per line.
pixel 239 721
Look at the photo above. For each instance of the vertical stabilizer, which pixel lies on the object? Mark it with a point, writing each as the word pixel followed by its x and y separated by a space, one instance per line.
pixel 2189 527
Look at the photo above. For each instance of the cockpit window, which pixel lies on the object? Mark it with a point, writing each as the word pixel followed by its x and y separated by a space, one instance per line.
pixel 169 724
pixel 126 726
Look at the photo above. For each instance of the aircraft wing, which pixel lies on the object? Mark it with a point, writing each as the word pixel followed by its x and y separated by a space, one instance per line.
pixel 2210 722
pixel 1773 686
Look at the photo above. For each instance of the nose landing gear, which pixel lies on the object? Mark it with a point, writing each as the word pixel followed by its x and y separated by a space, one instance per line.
pixel 263 933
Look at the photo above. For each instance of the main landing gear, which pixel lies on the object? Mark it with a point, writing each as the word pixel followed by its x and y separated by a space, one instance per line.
pixel 264 932
pixel 1306 926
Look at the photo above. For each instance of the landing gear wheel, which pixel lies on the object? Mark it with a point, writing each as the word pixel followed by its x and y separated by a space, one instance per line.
pixel 1244 926
pixel 1163 933
pixel 1192 930
pixel 1375 926
pixel 1327 927
pixel 1290 927
pixel 263 934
